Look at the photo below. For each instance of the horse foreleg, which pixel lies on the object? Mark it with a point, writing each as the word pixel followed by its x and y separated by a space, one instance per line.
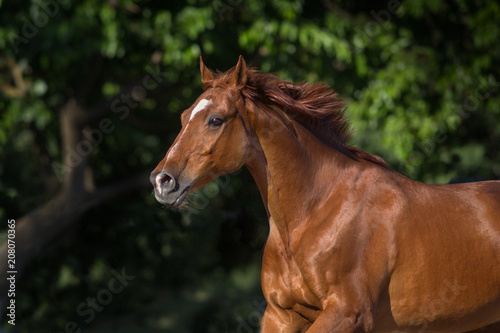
pixel 335 320
pixel 276 320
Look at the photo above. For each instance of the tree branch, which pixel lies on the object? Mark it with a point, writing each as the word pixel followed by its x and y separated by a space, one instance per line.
pixel 122 187
pixel 74 159
pixel 47 225
pixel 21 86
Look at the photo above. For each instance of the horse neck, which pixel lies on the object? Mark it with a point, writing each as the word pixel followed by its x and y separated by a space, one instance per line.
pixel 293 169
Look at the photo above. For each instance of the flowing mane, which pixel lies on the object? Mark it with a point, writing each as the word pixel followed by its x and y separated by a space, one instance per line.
pixel 316 106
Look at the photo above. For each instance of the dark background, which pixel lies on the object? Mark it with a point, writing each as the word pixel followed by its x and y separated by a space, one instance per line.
pixel 90 98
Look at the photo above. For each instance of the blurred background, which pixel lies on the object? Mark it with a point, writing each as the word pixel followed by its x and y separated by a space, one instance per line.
pixel 90 98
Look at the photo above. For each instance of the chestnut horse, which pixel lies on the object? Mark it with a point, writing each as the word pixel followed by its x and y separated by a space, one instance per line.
pixel 353 246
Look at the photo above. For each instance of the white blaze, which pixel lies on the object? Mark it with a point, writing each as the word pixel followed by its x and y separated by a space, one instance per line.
pixel 201 105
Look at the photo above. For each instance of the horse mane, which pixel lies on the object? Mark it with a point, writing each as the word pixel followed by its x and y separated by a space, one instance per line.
pixel 316 106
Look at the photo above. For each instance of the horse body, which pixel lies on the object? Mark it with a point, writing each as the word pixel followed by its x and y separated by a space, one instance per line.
pixel 355 232
pixel 447 270
pixel 353 246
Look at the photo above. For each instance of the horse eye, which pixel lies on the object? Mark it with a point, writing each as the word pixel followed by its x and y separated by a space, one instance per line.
pixel 215 121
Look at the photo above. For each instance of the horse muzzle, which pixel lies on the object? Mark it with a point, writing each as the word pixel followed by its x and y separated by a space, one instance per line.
pixel 169 190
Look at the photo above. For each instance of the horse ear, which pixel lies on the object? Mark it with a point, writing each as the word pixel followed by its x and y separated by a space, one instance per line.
pixel 239 77
pixel 206 74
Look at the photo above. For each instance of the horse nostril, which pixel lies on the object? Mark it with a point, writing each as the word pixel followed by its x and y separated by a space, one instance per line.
pixel 165 182
pixel 162 179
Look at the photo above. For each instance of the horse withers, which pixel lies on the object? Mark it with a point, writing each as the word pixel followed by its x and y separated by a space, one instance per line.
pixel 353 246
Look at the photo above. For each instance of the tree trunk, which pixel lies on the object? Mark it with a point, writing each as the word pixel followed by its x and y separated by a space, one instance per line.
pixel 49 223
pixel 37 231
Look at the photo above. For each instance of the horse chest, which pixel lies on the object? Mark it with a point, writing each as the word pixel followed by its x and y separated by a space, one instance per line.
pixel 283 282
